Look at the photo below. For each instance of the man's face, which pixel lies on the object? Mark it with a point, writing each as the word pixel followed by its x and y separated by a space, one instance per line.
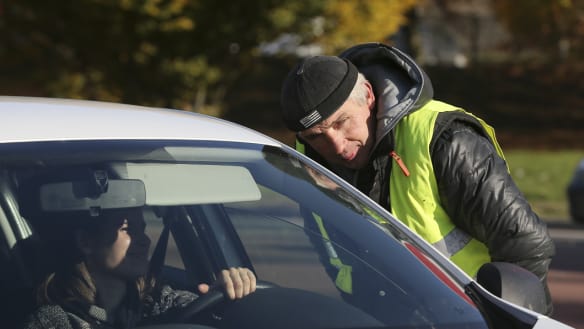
pixel 346 138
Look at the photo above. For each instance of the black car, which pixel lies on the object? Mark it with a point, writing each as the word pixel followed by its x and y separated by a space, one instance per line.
pixel 576 194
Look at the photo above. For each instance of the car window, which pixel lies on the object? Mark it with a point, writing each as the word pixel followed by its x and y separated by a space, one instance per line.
pixel 275 235
pixel 289 246
pixel 154 227
pixel 303 233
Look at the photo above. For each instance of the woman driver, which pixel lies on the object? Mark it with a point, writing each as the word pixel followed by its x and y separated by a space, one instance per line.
pixel 101 280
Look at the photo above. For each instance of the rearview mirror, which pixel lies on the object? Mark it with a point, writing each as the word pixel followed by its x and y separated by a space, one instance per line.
pixel 80 195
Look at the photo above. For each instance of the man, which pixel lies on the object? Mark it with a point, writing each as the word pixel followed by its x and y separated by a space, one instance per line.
pixel 369 115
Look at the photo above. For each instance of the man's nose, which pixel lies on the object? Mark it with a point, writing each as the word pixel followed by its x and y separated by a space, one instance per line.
pixel 335 140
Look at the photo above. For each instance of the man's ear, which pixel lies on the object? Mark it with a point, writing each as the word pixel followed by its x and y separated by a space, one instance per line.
pixel 370 96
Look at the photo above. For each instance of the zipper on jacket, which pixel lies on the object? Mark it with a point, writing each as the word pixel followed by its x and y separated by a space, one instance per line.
pixel 400 163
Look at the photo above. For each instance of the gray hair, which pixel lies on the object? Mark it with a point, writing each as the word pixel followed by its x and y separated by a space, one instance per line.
pixel 359 92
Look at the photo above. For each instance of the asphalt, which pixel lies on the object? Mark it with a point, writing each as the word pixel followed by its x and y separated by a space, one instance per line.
pixel 566 277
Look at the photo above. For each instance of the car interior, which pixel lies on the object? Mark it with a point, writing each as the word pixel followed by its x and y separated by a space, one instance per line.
pixel 209 208
pixel 183 252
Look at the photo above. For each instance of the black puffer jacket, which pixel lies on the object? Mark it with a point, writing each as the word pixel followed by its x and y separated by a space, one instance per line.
pixel 475 186
pixel 481 198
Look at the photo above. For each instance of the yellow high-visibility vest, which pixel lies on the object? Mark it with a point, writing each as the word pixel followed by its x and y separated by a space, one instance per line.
pixel 415 199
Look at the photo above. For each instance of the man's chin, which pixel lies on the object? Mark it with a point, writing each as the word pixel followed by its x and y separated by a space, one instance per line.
pixel 352 165
pixel 355 164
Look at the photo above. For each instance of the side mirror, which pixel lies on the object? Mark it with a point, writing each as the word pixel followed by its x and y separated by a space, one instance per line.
pixel 514 284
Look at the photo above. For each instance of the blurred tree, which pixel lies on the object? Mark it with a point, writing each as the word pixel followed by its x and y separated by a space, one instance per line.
pixel 151 52
pixel 172 53
pixel 545 24
pixel 350 22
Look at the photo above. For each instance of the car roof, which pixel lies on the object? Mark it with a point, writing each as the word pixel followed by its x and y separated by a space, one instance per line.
pixel 28 119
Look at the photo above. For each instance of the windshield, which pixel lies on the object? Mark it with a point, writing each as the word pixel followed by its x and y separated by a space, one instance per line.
pixel 316 247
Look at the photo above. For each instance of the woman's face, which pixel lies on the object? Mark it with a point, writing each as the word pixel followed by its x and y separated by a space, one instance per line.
pixel 118 244
pixel 114 255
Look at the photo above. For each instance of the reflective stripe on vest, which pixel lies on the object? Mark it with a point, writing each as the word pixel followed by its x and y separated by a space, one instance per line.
pixel 415 199
pixel 453 242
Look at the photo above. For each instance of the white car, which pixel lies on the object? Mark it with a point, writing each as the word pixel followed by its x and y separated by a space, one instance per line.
pixel 325 256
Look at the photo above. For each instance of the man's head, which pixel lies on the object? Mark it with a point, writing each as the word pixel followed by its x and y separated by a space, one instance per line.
pixel 328 103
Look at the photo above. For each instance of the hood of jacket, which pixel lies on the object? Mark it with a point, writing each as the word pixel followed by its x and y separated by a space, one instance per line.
pixel 399 84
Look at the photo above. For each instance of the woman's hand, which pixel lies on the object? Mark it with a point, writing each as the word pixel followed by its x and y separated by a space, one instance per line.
pixel 237 282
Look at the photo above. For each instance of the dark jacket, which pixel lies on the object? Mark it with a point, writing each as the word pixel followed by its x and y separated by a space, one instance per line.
pixel 475 186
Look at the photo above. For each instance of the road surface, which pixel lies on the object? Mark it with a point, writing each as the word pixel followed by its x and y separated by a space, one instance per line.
pixel 566 278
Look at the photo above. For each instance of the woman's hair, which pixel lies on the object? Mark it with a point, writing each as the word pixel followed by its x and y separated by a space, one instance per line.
pixel 69 281
pixel 72 284
pixel 67 278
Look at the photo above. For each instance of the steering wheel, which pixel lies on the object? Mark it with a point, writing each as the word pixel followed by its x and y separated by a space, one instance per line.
pixel 213 297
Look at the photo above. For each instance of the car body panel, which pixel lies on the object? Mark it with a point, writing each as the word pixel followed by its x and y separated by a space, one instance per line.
pixel 29 119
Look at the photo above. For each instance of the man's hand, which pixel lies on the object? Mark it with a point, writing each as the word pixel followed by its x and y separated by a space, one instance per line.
pixel 236 282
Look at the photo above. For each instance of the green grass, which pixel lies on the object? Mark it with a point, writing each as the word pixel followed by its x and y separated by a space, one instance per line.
pixel 543 177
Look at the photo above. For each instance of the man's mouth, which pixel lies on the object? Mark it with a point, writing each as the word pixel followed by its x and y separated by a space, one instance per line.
pixel 349 157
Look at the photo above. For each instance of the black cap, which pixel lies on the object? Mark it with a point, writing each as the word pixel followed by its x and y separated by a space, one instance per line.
pixel 315 89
